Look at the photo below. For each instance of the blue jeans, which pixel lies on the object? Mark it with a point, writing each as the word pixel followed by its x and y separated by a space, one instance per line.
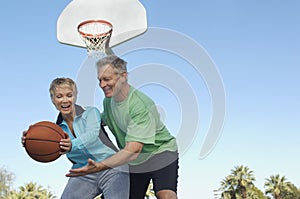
pixel 112 183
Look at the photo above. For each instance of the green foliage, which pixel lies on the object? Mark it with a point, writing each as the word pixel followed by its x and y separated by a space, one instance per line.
pixel 150 192
pixel 236 184
pixel 239 185
pixel 277 185
pixel 294 193
pixel 243 178
pixel 32 191
pixel 6 180
pixel 255 193
pixel 28 191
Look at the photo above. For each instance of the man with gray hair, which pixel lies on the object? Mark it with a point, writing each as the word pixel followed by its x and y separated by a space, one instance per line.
pixel 145 142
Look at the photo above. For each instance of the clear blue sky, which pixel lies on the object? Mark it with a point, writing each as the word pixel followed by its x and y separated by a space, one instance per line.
pixel 255 46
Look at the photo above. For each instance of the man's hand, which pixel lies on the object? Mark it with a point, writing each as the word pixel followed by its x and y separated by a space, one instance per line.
pixel 91 167
pixel 129 153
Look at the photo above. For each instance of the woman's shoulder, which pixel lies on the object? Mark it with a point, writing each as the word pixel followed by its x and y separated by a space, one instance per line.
pixel 91 109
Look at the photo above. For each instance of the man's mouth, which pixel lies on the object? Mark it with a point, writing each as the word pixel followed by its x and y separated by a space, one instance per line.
pixel 107 89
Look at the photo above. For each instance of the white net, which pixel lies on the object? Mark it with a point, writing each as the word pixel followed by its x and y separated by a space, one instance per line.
pixel 96 35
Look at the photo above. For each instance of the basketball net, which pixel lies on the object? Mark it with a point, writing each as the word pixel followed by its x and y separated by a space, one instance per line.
pixel 96 35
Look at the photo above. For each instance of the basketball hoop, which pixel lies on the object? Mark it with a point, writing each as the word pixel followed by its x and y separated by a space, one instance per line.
pixel 96 35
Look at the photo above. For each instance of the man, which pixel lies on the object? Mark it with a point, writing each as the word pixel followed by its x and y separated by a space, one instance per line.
pixel 145 142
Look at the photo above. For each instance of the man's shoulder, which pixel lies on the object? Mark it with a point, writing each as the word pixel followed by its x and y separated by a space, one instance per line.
pixel 138 95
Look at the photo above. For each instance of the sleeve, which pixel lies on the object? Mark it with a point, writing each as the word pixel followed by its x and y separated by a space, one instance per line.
pixel 103 118
pixel 103 114
pixel 88 129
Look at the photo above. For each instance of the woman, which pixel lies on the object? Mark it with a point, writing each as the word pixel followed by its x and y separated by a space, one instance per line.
pixel 85 142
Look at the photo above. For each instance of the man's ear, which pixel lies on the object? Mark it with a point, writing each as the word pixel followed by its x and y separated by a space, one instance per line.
pixel 124 77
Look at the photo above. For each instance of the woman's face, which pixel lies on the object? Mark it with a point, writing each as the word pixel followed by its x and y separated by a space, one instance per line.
pixel 64 100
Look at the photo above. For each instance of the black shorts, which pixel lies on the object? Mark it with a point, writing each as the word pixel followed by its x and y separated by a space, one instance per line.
pixel 161 168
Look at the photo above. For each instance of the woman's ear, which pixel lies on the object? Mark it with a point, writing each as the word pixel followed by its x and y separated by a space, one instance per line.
pixel 75 98
pixel 52 101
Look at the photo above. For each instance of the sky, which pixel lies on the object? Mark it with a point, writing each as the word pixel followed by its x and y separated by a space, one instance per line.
pixel 227 64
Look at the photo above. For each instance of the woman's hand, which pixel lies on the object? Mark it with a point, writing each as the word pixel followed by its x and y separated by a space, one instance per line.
pixel 65 145
pixel 23 138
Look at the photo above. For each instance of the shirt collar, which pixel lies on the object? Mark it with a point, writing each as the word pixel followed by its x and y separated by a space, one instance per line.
pixel 78 109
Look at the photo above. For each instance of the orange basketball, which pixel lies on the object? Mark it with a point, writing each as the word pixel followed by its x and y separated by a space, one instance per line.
pixel 42 141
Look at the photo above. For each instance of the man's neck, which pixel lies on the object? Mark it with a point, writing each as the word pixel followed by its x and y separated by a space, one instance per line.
pixel 123 94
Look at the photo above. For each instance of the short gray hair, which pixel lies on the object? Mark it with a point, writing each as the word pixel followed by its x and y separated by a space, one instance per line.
pixel 62 82
pixel 116 62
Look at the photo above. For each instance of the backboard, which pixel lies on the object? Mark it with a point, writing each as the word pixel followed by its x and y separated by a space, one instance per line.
pixel 128 18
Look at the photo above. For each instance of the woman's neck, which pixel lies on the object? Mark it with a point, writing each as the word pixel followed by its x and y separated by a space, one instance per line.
pixel 69 120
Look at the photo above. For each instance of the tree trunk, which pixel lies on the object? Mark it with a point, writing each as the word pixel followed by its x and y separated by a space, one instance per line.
pixel 244 192
pixel 232 195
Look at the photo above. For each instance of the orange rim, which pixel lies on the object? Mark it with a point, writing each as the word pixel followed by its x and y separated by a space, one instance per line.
pixel 94 21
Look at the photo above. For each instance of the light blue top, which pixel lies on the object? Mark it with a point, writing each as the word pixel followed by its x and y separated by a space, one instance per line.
pixel 87 143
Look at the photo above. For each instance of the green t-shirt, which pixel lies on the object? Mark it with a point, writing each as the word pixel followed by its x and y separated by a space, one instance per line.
pixel 137 119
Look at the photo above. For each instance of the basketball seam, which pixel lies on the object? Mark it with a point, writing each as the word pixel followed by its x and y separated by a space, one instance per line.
pixel 39 139
pixel 43 154
pixel 41 125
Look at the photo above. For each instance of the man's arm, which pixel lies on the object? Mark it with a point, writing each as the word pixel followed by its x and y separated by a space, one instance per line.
pixel 128 154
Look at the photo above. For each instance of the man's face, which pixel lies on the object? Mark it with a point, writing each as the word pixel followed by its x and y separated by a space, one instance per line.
pixel 109 81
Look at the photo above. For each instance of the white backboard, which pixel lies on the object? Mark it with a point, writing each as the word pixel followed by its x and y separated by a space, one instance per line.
pixel 128 18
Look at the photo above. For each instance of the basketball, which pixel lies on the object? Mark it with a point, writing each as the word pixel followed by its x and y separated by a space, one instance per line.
pixel 42 141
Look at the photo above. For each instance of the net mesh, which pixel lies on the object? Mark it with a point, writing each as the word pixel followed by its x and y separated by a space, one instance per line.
pixel 96 35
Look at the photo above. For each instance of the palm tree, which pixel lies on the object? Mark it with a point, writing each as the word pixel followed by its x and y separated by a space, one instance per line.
pixel 243 179
pixel 32 190
pixel 6 181
pixel 98 197
pixel 150 192
pixel 294 192
pixel 236 184
pixel 255 193
pixel 276 185
pixel 228 188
